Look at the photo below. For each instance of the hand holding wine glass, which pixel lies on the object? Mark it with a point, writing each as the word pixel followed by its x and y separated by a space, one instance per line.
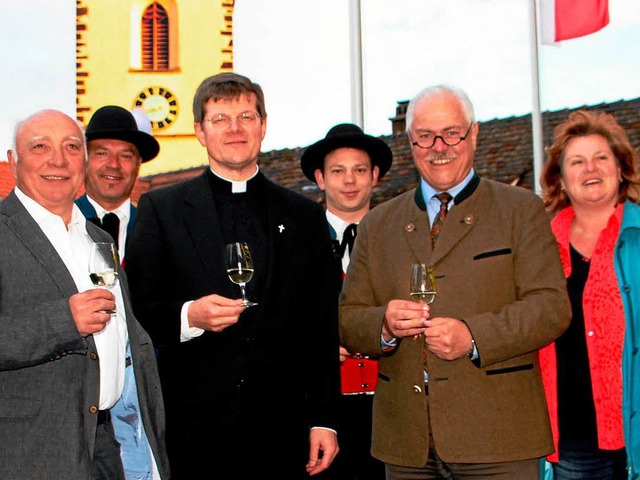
pixel 240 267
pixel 103 265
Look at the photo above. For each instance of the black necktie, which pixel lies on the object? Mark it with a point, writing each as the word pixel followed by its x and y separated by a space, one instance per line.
pixel 110 223
pixel 348 238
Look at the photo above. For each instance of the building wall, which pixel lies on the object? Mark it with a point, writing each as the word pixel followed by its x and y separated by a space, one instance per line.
pixel 109 72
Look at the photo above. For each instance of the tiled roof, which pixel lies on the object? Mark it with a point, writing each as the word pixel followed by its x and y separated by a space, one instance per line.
pixel 504 153
pixel 6 179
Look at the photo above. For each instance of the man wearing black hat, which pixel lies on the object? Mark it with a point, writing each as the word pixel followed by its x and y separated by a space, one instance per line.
pixel 116 149
pixel 346 165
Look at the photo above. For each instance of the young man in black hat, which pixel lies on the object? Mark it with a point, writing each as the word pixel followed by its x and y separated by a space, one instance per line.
pixel 346 165
pixel 116 150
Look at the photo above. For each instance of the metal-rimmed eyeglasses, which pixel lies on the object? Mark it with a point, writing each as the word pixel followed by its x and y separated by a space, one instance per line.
pixel 451 138
pixel 222 121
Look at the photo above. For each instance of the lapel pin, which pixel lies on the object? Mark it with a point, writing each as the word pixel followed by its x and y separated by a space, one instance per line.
pixel 409 227
pixel 469 219
pixel 281 228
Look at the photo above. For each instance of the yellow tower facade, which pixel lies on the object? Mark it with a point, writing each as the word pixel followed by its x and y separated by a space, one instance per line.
pixel 152 55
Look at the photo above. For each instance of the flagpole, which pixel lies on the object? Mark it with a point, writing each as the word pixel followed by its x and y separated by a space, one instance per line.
pixel 355 48
pixel 536 114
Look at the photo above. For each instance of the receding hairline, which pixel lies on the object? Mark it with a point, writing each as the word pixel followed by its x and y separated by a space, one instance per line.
pixel 21 124
pixel 45 114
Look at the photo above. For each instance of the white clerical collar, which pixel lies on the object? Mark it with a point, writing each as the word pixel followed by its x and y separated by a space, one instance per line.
pixel 237 186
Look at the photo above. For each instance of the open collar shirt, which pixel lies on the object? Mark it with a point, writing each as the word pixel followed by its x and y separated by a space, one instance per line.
pixel 72 243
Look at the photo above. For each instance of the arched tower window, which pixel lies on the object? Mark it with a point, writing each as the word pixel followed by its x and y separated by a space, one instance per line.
pixel 155 38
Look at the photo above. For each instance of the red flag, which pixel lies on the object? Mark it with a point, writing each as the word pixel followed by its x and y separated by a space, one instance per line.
pixel 566 19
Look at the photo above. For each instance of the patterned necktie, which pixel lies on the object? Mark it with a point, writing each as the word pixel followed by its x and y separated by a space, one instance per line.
pixel 111 224
pixel 444 198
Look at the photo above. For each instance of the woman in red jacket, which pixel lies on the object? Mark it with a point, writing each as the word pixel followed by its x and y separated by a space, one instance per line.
pixel 591 171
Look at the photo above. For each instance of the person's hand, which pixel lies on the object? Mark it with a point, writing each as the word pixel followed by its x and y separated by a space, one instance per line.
pixel 448 338
pixel 404 318
pixel 344 353
pixel 89 310
pixel 325 441
pixel 214 312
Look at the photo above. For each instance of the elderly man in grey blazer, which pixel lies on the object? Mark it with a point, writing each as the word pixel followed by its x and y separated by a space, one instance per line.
pixel 459 393
pixel 63 358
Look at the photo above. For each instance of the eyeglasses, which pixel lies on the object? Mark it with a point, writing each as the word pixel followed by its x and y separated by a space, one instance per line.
pixel 222 121
pixel 450 138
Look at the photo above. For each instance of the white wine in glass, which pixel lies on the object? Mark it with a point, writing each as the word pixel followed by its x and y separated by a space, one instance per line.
pixel 423 284
pixel 103 265
pixel 240 267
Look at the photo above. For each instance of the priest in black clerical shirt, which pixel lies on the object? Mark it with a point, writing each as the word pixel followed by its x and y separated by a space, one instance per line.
pixel 250 392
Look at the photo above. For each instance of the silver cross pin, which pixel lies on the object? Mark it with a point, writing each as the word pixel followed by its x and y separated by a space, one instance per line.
pixel 281 228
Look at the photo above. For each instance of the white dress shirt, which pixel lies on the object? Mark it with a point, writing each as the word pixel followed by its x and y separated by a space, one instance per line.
pixel 340 226
pixel 73 245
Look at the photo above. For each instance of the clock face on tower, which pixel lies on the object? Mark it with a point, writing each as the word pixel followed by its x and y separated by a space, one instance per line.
pixel 160 105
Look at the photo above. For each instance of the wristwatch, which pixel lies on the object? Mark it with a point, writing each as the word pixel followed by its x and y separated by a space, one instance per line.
pixel 473 349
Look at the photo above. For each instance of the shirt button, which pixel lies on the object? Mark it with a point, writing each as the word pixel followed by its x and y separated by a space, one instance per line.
pixel 590 333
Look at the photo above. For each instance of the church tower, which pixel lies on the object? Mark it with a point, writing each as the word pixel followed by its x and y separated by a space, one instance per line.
pixel 152 55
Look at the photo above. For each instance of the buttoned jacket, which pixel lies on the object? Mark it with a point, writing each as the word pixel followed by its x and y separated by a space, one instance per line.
pixel 497 268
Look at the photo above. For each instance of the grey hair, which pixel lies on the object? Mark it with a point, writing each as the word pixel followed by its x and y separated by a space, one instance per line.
pixel 14 143
pixel 20 123
pixel 436 90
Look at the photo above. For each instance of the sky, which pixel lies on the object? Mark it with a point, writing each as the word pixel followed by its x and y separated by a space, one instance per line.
pixel 298 51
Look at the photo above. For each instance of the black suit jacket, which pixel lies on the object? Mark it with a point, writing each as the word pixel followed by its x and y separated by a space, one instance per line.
pixel 252 391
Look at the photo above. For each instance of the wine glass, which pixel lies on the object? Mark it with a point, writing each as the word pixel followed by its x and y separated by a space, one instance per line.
pixel 423 284
pixel 103 265
pixel 240 267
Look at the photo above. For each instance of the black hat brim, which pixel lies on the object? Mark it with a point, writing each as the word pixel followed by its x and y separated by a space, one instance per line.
pixel 379 152
pixel 147 146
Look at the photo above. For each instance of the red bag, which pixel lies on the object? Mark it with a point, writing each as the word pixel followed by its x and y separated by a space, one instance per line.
pixel 359 375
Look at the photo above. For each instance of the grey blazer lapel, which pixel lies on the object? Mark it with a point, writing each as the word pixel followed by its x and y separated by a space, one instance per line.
pixel 29 233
